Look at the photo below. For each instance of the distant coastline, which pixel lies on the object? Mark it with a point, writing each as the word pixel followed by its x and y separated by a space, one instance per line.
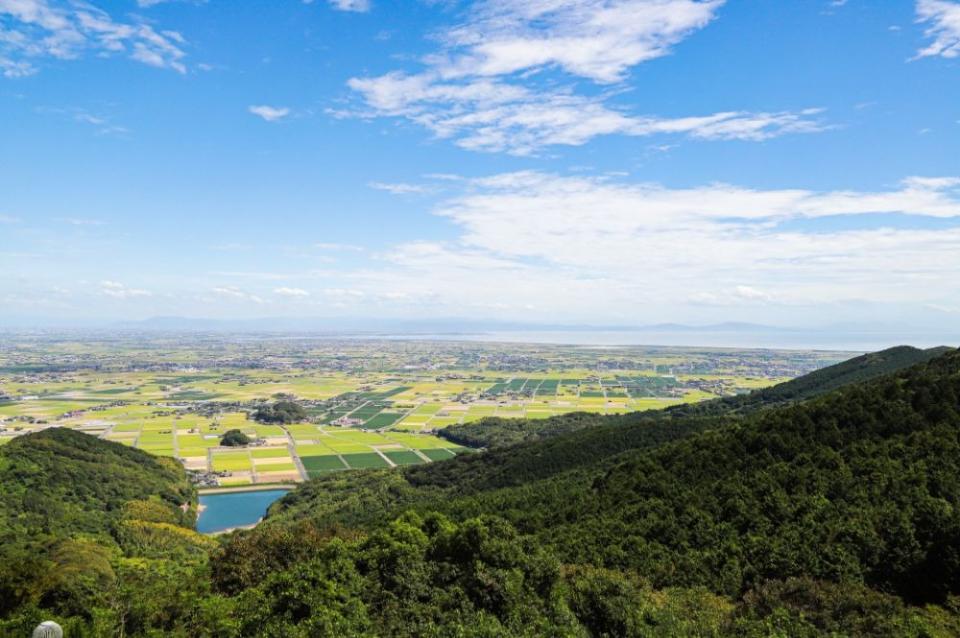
pixel 781 340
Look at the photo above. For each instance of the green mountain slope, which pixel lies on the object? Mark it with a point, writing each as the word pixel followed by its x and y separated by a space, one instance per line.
pixel 62 482
pixel 79 518
pixel 859 488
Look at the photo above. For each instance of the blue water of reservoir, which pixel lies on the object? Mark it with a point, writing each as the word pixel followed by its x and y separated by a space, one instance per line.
pixel 239 509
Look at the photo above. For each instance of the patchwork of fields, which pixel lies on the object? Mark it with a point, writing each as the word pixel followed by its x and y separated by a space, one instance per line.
pixel 280 454
pixel 356 422
pixel 368 405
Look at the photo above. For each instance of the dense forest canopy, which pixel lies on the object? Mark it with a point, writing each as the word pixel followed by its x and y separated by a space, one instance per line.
pixel 234 438
pixel 86 528
pixel 280 412
pixel 837 514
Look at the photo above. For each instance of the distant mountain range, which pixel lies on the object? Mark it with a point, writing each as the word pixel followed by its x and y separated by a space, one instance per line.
pixel 403 326
pixel 454 325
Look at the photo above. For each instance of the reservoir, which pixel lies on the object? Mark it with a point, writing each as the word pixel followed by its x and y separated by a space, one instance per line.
pixel 221 512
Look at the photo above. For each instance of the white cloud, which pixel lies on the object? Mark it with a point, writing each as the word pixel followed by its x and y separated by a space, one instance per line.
pixel 118 290
pixel 338 247
pixel 270 113
pixel 585 248
pixel 77 221
pixel 595 39
pixel 37 29
pixel 146 4
pixel 291 292
pixel 103 124
pixel 942 18
pixel 87 118
pixel 737 295
pixel 612 249
pixel 750 293
pixel 232 292
pixel 358 6
pixel 228 291
pixel 491 87
pixel 485 115
pixel 399 188
pixel 8 219
pixel 343 292
pixel 445 177
pixel 16 68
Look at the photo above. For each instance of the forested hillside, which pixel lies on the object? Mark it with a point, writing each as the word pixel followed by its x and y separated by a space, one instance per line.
pixel 858 488
pixel 836 515
pixel 87 528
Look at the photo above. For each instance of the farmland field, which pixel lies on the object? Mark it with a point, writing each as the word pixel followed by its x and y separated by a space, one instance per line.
pixel 368 404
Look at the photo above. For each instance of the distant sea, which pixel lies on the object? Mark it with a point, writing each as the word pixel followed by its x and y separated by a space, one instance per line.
pixel 775 340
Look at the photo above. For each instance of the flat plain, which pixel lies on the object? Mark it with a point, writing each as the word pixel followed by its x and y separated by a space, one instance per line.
pixel 371 403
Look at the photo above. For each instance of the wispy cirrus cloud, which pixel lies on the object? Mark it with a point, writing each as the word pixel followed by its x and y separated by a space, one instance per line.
pixel 34 30
pixel 595 39
pixel 732 296
pixel 118 290
pixel 326 245
pixel 942 18
pixel 356 6
pixel 80 221
pixel 103 124
pixel 233 292
pixel 269 113
pixel 493 85
pixel 146 4
pixel 285 291
pixel 399 188
pixel 493 116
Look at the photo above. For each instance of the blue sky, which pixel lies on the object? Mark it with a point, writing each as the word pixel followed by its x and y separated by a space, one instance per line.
pixel 603 161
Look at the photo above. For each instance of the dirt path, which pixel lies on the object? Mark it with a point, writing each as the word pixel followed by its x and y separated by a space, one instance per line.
pixel 253 467
pixel 292 448
pixel 422 455
pixel 385 457
pixel 356 408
